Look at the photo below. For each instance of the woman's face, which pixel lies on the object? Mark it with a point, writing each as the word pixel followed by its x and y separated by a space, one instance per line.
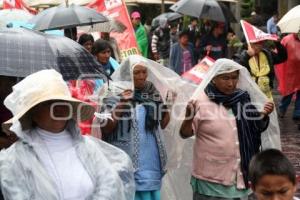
pixel 88 45
pixel 139 76
pixel 257 47
pixel 136 21
pixel 226 83
pixel 52 115
pixel 103 56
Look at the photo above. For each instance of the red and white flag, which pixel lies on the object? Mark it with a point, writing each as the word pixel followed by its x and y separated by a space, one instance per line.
pixel 17 4
pixel 254 34
pixel 198 72
pixel 117 10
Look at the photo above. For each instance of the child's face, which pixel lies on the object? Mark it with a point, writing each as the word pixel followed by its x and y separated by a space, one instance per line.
pixel 275 187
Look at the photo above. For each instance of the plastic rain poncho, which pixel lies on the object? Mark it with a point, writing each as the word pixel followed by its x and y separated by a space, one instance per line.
pixel 176 182
pixel 168 83
pixel 23 176
pixel 270 138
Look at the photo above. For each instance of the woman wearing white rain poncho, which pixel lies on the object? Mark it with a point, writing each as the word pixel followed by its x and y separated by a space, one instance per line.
pixel 227 128
pixel 138 116
pixel 52 160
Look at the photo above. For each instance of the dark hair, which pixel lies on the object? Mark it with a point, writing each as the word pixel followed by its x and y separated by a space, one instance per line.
pixel 148 20
pixel 193 19
pixel 71 33
pixel 85 38
pixel 183 33
pixel 275 13
pixel 270 162
pixel 100 45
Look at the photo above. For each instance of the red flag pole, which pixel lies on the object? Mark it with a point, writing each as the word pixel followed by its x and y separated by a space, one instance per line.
pixel 246 36
pixel 245 32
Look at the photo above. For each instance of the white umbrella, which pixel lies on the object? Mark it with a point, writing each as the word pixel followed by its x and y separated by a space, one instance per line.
pixel 290 22
pixel 10 15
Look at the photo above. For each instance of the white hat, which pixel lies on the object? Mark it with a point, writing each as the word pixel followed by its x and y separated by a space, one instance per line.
pixel 39 87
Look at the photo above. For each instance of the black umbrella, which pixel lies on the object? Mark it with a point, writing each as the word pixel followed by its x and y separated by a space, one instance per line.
pixel 62 17
pixel 209 9
pixel 227 13
pixel 111 26
pixel 24 51
pixel 170 16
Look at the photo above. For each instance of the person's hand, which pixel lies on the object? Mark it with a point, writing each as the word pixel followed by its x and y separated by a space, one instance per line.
pixel 268 108
pixel 171 97
pixel 126 95
pixel 250 51
pixel 156 56
pixel 12 137
pixel 208 47
pixel 191 111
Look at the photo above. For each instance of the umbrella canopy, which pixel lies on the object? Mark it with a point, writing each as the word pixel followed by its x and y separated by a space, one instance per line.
pixel 24 51
pixel 66 17
pixel 111 26
pixel 227 13
pixel 22 24
pixel 209 9
pixel 41 3
pixel 170 16
pixel 290 22
pixel 9 15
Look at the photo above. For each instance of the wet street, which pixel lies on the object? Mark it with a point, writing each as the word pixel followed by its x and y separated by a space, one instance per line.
pixel 290 137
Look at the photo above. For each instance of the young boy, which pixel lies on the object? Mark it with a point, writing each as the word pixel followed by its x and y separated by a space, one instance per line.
pixel 272 176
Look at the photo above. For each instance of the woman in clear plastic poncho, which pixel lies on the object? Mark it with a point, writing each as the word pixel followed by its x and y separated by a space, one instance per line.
pixel 52 160
pixel 138 116
pixel 225 118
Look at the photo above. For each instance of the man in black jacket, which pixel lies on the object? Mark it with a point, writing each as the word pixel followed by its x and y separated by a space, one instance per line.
pixel 214 44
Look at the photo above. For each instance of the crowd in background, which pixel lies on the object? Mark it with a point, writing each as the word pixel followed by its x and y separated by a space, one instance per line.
pixel 179 49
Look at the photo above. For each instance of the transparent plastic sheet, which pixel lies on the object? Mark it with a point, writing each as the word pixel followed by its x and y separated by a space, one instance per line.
pixel 24 177
pixel 177 180
pixel 175 184
pixel 271 137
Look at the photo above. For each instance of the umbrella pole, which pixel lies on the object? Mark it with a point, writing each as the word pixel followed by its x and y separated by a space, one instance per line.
pixel 162 6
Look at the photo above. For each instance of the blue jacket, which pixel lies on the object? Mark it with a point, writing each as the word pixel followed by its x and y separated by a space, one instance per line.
pixel 176 57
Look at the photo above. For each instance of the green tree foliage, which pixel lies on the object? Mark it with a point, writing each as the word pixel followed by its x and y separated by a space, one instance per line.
pixel 246 8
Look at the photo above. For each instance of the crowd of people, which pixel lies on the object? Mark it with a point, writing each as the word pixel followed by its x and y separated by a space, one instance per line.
pixel 55 145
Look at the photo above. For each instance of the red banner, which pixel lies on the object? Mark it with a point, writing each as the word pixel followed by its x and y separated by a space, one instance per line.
pixel 17 4
pixel 254 34
pixel 197 73
pixel 116 9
